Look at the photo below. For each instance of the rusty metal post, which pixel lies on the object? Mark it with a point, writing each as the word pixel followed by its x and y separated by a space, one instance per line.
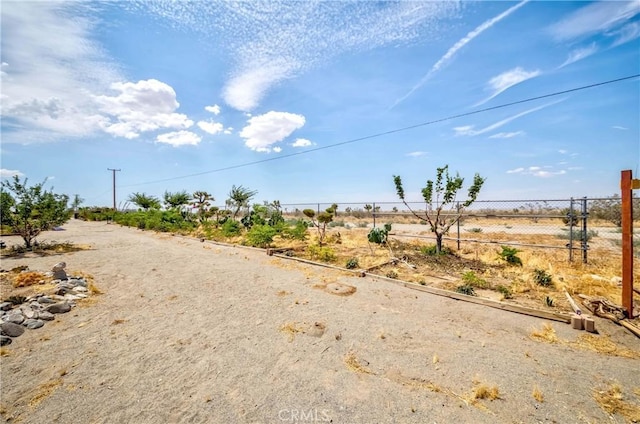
pixel 626 186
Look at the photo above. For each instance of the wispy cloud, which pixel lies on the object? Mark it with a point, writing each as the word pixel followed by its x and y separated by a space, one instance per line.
pixel 507 134
pixel 179 138
pixel 8 173
pixel 416 154
pixel 579 54
pixel 449 55
pixel 627 33
pixel 595 18
pixel 506 80
pixel 618 127
pixel 537 171
pixel 271 41
pixel 263 131
pixel 469 130
pixel 215 109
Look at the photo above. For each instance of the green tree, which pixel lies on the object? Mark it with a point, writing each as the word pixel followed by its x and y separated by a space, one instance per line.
pixel 239 197
pixel 176 200
pixel 144 201
pixel 202 201
pixel 441 209
pixel 320 222
pixel 31 210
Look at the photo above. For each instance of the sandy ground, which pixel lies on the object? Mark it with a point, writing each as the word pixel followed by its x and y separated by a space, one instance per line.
pixel 198 333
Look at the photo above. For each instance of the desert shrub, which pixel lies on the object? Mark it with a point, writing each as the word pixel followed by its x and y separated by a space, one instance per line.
pixel 391 274
pixel 549 301
pixel 352 263
pixel 297 232
pixel 506 292
pixel 466 289
pixel 432 250
pixel 379 235
pixel 230 228
pixel 322 253
pixel 362 224
pixel 474 230
pixel 578 234
pixel 471 279
pixel 542 278
pixel 510 255
pixel 336 224
pixel 260 236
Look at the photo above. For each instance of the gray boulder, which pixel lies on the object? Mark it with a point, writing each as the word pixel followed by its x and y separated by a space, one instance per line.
pixel 59 308
pixel 12 330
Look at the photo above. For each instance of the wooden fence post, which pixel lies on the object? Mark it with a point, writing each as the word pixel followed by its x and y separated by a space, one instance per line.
pixel 627 184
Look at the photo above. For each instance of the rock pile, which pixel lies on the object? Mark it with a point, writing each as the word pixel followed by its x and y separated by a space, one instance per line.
pixel 32 312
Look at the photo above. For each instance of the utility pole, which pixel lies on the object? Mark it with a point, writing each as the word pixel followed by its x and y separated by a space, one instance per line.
pixel 114 185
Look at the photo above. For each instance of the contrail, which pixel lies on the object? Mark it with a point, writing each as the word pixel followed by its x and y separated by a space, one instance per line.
pixel 460 44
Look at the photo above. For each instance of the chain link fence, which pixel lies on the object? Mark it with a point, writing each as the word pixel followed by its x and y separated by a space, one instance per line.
pixel 576 226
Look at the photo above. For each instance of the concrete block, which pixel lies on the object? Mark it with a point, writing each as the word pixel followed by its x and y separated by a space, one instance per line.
pixel 576 322
pixel 589 324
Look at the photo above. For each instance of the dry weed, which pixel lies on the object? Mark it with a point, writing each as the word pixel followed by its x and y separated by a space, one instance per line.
pixel 435 359
pixel 547 334
pixel 118 321
pixel 43 391
pixel 612 401
pixel 291 328
pixel 4 351
pixel 25 279
pixel 485 392
pixel 604 345
pixel 537 394
pixel 353 364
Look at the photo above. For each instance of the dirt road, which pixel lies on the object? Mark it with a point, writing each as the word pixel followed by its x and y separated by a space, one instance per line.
pixel 199 333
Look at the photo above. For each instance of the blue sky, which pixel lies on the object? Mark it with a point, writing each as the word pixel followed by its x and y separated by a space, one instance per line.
pixel 163 90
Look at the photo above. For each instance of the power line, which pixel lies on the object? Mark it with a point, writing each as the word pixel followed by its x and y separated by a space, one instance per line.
pixel 394 131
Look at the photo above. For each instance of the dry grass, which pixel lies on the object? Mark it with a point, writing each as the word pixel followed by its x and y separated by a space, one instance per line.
pixel 4 351
pixel 612 401
pixel 118 321
pixel 43 391
pixel 604 345
pixel 537 394
pixel 483 391
pixel 547 334
pixel 26 279
pixel 354 365
pixel 435 359
pixel 93 289
pixel 291 328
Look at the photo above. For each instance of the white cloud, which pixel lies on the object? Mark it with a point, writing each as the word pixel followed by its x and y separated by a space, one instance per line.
pixel 507 134
pixel 179 138
pixel 273 41
pixel 277 149
pixel 618 127
pixel 579 54
pixel 506 80
pixel 47 79
pixel 595 18
pixel 302 142
pixel 563 151
pixel 215 109
pixel 139 107
pixel 536 171
pixel 416 154
pixel 229 130
pixel 627 33
pixel 9 173
pixel 448 56
pixel 265 130
pixel 469 130
pixel 211 127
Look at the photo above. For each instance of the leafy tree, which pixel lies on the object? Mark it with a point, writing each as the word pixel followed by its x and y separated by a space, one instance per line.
pixel 144 201
pixel 441 209
pixel 176 200
pixel 239 197
pixel 76 202
pixel 202 201
pixel 31 210
pixel 610 209
pixel 368 207
pixel 320 222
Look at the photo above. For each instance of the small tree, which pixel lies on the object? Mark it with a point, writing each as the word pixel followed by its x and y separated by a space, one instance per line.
pixel 176 200
pixel 31 210
pixel 610 209
pixel 239 197
pixel 441 209
pixel 320 222
pixel 144 201
pixel 202 201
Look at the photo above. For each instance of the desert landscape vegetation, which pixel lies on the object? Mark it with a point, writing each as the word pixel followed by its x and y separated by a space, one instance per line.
pixel 250 313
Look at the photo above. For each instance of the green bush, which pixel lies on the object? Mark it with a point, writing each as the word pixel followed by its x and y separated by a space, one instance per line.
pixel 322 253
pixel 391 274
pixel 466 289
pixel 506 292
pixel 510 255
pixel 432 250
pixel 297 232
pixel 231 228
pixel 471 279
pixel 260 236
pixel 352 263
pixel 474 230
pixel 542 278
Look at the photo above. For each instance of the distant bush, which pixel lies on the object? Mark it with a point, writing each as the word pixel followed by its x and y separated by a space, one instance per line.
pixel 230 228
pixel 577 235
pixel 510 255
pixel 322 253
pixel 352 263
pixel 474 230
pixel 432 250
pixel 391 274
pixel 506 292
pixel 466 289
pixel 297 232
pixel 260 236
pixel 471 279
pixel 542 278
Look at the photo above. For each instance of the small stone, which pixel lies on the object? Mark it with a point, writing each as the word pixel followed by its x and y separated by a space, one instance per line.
pixel 14 316
pixel 57 297
pixel 81 295
pixel 5 306
pixel 32 324
pixel 5 340
pixel 46 299
pixel 80 282
pixel 47 316
pixel 60 291
pixel 69 296
pixel 28 312
pixel 36 306
pixel 59 308
pixel 12 330
pixel 80 289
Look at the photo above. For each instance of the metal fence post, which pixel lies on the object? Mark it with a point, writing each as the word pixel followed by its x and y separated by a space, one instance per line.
pixel 374 215
pixel 571 230
pixel 585 238
pixel 458 223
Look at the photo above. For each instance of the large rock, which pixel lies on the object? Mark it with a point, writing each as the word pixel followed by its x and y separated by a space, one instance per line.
pixel 59 308
pixel 59 272
pixel 5 306
pixel 15 316
pixel 47 316
pixel 12 330
pixel 32 324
